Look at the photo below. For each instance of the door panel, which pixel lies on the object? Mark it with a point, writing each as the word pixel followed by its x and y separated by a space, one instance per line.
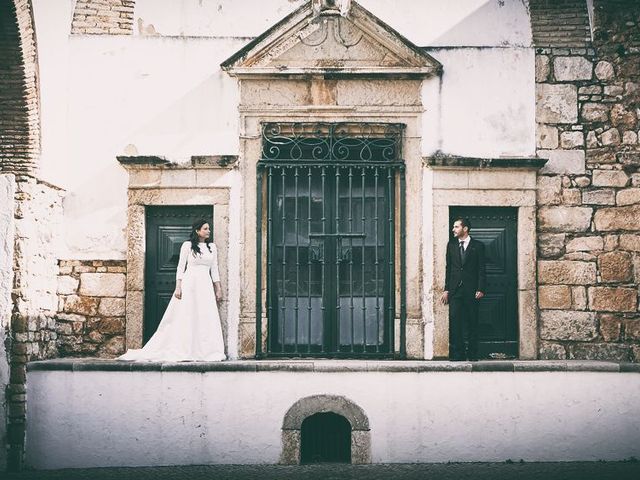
pixel 496 228
pixel 166 229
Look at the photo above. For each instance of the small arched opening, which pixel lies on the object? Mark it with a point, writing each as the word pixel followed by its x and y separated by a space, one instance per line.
pixel 325 428
pixel 325 438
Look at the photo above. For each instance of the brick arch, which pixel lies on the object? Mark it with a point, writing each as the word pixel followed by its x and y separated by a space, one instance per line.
pixel 307 406
pixel 20 92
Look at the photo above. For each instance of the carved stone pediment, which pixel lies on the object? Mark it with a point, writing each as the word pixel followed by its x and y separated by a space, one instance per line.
pixel 331 42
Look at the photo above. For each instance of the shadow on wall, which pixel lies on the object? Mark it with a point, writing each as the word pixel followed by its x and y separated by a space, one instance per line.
pixel 477 21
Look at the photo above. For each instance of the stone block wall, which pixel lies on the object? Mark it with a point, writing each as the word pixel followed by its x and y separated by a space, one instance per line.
pixel 103 17
pixel 588 104
pixel 91 315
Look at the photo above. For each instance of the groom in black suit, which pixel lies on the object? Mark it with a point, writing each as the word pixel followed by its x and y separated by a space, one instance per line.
pixel 464 287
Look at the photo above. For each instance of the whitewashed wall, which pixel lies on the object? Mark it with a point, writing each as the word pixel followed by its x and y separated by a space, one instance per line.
pixel 7 239
pixel 165 95
pixel 98 419
pixel 483 106
pixel 424 22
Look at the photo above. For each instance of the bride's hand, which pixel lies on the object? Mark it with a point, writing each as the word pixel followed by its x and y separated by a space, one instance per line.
pixel 218 296
pixel 178 293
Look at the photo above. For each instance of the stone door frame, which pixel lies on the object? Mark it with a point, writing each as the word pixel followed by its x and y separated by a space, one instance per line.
pixel 171 187
pixel 250 152
pixel 482 187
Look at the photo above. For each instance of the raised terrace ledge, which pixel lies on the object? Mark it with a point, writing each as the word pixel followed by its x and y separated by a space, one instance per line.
pixel 94 364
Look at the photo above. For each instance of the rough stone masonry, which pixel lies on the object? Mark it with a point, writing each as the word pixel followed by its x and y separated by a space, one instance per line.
pixel 588 104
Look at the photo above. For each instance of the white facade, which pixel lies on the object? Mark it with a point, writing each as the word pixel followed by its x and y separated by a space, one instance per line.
pixel 164 94
pixel 101 418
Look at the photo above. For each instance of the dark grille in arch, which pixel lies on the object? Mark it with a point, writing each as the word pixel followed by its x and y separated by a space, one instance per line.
pixel 327 198
pixel 325 438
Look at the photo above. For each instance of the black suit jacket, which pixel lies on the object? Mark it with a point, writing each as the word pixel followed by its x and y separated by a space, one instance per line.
pixel 470 275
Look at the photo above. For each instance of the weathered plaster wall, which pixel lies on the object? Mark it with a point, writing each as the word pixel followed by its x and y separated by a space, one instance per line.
pixel 38 219
pixel 424 22
pixel 97 419
pixel 7 234
pixel 163 94
pixel 483 105
pixel 152 96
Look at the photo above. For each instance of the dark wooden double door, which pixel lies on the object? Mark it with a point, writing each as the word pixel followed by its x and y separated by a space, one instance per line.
pixel 496 228
pixel 167 227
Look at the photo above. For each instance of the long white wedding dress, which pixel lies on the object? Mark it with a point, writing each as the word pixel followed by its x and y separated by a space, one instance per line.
pixel 190 328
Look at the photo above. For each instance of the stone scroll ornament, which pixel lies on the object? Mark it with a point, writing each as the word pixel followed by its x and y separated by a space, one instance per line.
pixel 343 6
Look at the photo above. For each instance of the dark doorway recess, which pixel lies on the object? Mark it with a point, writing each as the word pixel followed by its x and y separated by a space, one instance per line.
pixel 167 227
pixel 325 438
pixel 497 228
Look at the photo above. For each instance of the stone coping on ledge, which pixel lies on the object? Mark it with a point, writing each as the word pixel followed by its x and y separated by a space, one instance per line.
pixel 442 160
pixel 336 366
pixel 158 161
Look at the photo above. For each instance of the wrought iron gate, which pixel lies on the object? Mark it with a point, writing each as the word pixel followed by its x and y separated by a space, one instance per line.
pixel 329 195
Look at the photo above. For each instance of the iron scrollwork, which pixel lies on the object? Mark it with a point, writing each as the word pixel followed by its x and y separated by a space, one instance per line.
pixel 332 142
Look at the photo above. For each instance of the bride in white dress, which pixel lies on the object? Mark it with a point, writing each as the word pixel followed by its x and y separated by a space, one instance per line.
pixel 190 328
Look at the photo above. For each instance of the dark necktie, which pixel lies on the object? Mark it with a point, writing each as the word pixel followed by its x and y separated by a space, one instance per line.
pixel 462 251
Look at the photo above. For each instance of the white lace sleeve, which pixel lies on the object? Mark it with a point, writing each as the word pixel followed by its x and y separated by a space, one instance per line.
pixel 182 263
pixel 213 270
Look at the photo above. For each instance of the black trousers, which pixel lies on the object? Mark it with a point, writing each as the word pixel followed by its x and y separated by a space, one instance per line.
pixel 463 325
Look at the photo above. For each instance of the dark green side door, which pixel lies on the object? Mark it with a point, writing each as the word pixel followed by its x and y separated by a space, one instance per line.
pixel 166 229
pixel 496 227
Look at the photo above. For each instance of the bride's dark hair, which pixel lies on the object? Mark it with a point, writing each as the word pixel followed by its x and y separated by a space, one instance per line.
pixel 195 239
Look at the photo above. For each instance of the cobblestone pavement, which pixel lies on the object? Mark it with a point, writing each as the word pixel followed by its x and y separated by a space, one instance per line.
pixel 441 471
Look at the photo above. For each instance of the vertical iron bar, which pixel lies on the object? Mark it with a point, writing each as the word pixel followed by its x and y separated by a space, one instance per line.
pixel 377 261
pixel 295 218
pixel 271 281
pixel 284 258
pixel 323 174
pixel 403 281
pixel 364 241
pixel 259 263
pixel 309 251
pixel 391 250
pixel 351 307
pixel 337 244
